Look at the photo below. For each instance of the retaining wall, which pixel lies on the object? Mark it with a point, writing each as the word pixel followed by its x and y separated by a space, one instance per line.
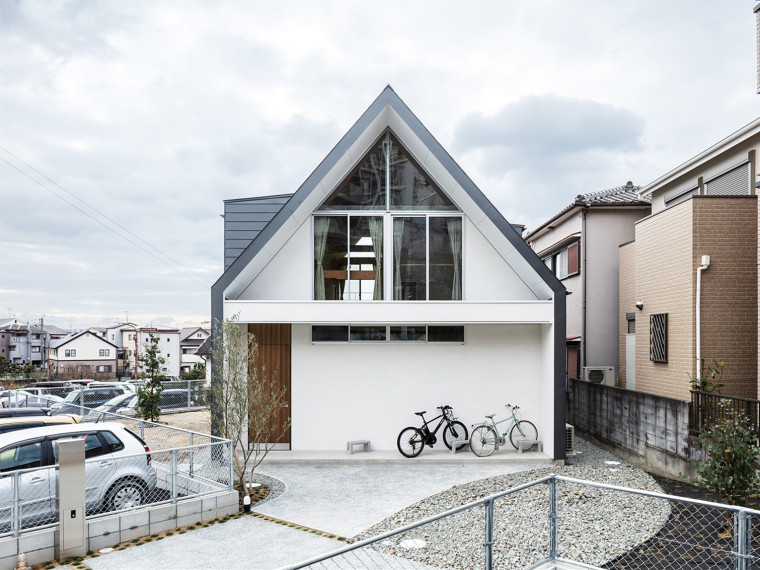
pixel 646 430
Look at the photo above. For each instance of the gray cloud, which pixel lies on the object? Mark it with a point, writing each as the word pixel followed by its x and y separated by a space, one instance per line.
pixel 546 128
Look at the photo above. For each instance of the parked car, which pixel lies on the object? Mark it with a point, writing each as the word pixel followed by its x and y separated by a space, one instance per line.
pixel 26 422
pixel 50 387
pixel 24 399
pixel 170 398
pixel 122 476
pixel 21 412
pixel 86 398
pixel 115 403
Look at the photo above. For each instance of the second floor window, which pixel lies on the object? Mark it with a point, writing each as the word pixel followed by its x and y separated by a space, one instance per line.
pixel 388 232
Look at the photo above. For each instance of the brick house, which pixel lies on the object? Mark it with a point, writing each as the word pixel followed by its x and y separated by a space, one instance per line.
pixel 692 266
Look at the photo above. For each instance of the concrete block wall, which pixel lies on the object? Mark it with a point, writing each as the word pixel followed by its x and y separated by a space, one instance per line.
pixel 648 430
pixel 109 530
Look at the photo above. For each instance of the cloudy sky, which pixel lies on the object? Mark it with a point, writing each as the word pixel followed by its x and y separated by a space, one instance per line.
pixel 124 125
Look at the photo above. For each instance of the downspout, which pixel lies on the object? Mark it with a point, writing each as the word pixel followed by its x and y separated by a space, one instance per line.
pixel 583 285
pixel 705 265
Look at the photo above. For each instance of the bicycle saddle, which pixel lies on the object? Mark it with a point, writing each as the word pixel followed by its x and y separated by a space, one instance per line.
pixel 490 416
pixel 419 413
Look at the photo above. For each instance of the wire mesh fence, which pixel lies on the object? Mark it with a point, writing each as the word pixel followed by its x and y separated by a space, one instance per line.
pixel 563 520
pixel 129 464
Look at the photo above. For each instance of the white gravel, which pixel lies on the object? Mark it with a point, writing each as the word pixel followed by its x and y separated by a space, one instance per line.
pixel 594 525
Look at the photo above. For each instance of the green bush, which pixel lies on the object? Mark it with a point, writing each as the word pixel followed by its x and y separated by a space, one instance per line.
pixel 731 461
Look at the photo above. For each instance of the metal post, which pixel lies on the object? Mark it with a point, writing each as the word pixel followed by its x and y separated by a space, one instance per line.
pixel 142 429
pixel 488 543
pixel 188 393
pixel 231 451
pixel 191 455
pixel 174 475
pixel 741 546
pixel 553 518
pixel 16 517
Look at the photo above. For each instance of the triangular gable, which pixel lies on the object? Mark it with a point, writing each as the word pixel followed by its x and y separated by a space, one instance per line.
pixel 388 111
pixel 67 339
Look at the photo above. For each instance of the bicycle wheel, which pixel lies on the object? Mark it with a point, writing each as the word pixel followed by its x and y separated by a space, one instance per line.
pixel 453 431
pixel 483 441
pixel 410 442
pixel 523 430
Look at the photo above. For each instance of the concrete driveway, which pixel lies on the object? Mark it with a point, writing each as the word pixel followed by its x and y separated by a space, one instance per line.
pixel 338 499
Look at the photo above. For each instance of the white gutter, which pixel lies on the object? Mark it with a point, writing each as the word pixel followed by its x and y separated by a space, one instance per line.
pixel 705 265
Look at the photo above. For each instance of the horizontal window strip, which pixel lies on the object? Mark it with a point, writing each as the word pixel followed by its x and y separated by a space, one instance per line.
pixel 388 333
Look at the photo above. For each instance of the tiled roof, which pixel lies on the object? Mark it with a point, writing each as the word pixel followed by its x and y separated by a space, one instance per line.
pixel 626 195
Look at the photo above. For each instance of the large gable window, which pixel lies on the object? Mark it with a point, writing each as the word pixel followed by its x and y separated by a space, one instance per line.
pixel 387 199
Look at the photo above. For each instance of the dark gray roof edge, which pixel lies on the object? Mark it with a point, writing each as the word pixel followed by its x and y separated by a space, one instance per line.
pixel 267 197
pixel 67 339
pixel 306 188
pixel 389 97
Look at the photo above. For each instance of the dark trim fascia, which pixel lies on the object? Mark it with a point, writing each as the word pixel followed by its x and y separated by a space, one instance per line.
pixel 267 197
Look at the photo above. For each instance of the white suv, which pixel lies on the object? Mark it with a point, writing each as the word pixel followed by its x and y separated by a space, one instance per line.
pixel 118 470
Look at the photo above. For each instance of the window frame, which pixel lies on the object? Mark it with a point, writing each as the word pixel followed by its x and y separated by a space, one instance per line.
pixel 551 260
pixel 658 352
pixel 388 339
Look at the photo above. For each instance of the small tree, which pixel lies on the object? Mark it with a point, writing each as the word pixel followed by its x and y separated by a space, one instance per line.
pixel 247 398
pixel 711 375
pixel 149 393
pixel 730 459
pixel 197 372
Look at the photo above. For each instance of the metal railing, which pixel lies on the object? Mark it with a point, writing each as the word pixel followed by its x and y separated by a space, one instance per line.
pixel 706 408
pixel 178 464
pixel 562 520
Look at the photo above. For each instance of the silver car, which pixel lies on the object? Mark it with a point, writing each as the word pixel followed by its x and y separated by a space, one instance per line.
pixel 118 471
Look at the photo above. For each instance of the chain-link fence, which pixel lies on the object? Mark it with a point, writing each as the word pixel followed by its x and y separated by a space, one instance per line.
pixel 129 464
pixel 558 519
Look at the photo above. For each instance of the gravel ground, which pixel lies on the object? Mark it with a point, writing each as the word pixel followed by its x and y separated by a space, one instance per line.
pixel 595 525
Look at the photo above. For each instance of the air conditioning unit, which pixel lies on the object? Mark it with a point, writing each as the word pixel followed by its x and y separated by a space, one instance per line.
pixel 599 375
pixel 569 439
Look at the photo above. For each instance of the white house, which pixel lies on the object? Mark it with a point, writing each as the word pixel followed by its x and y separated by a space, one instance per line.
pixel 83 355
pixel 190 338
pixel 168 344
pixel 388 284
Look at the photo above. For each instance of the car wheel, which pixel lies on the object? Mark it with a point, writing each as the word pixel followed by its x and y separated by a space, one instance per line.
pixel 125 494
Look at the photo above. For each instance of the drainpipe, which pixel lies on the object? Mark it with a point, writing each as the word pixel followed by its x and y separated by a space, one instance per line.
pixel 705 265
pixel 583 285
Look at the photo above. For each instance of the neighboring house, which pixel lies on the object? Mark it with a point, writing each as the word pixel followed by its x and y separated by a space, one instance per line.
pixel 83 355
pixel 204 352
pixel 669 290
pixel 124 335
pixel 189 340
pixel 22 343
pixel 580 245
pixel 168 344
pixel 388 284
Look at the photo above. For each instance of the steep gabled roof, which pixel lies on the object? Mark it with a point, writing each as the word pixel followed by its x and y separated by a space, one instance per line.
pixel 619 196
pixel 387 111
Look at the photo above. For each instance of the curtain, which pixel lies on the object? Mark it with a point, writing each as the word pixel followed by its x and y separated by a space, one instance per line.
pixel 398 234
pixel 454 225
pixel 321 227
pixel 376 234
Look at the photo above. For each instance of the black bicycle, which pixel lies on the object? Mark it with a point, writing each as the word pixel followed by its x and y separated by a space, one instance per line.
pixel 411 440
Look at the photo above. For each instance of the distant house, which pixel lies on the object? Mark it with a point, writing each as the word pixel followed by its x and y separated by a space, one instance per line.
pixel 580 245
pixel 689 280
pixel 388 284
pixel 23 343
pixel 83 355
pixel 189 340
pixel 168 344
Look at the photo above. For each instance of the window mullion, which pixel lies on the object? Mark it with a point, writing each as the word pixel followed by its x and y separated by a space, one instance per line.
pixel 427 257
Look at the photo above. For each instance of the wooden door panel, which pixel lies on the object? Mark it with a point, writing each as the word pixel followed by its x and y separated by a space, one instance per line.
pixel 273 359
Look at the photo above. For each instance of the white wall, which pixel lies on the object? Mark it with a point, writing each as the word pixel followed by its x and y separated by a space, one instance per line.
pixel 168 345
pixel 351 391
pixel 88 347
pixel 289 275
